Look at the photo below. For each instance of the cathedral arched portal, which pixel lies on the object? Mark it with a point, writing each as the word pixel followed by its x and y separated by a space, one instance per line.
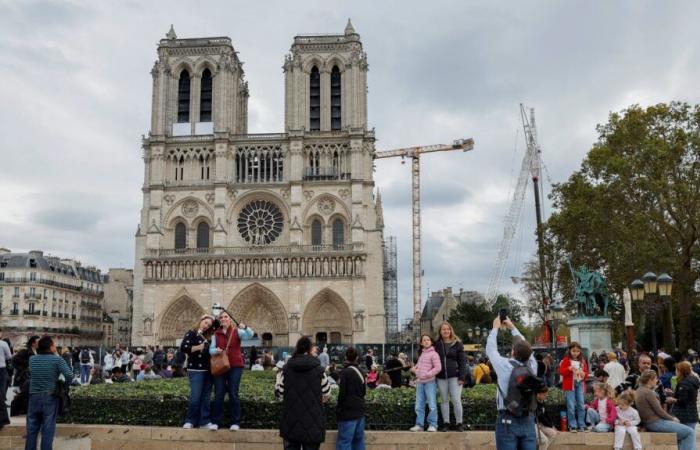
pixel 327 318
pixel 178 317
pixel 260 308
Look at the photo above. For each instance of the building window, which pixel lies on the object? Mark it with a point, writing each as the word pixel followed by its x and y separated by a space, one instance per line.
pixel 179 168
pixel 260 222
pixel 259 164
pixel 16 294
pixel 335 99
pixel 0 291
pixel 338 233
pixel 183 97
pixel 180 236
pixel 204 166
pixel 316 232
pixel 315 100
pixel 203 235
pixel 206 96
pixel 32 276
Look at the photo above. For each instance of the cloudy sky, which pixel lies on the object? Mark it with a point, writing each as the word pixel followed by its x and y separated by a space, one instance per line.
pixel 75 94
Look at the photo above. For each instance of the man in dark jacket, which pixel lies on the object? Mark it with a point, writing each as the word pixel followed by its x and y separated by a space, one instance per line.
pixel 303 384
pixel 351 405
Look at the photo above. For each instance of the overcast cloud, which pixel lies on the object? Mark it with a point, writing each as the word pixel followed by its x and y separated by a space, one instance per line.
pixel 75 93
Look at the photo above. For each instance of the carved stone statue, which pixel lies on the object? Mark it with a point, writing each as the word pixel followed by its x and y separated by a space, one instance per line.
pixel 592 295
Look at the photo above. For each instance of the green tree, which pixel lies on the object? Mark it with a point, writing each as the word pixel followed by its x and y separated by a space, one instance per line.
pixel 472 315
pixel 634 205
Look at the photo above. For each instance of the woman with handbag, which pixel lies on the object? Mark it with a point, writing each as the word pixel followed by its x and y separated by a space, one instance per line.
pixel 227 367
pixel 195 345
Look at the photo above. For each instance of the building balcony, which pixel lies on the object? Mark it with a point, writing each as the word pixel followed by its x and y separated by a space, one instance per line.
pixel 32 297
pixel 256 262
pixel 90 305
pixel 25 280
pixel 14 312
pixel 32 313
pixel 324 174
pixel 256 250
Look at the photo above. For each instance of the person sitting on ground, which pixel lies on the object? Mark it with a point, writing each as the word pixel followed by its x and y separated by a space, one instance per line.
pixel 179 372
pixel 118 376
pixel 384 381
pixel 257 366
pixel 653 416
pixel 148 374
pixel 546 431
pixel 627 421
pixel 166 372
pixel 600 414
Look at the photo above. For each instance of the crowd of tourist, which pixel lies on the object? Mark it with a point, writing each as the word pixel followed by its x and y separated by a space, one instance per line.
pixel 657 393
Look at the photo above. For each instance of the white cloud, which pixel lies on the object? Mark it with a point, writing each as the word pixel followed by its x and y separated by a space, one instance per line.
pixel 75 95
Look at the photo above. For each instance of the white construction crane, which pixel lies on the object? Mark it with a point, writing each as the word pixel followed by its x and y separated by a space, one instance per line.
pixel 414 153
pixel 531 165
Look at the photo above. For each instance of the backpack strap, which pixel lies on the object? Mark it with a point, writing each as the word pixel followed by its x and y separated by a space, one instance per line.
pixel 359 374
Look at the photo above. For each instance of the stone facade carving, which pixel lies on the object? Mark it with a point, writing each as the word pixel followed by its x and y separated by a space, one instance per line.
pixel 326 205
pixel 190 209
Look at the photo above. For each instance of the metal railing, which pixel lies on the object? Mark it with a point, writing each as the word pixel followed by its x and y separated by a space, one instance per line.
pixel 25 280
pixel 324 173
pixel 258 250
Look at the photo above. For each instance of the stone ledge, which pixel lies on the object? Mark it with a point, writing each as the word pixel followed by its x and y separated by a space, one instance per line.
pixel 105 437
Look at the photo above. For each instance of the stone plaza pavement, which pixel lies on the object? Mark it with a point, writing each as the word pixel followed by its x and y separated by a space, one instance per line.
pixel 106 437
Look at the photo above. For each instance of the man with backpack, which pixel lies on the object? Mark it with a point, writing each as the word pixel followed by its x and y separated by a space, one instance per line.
pixel 517 383
pixel 86 362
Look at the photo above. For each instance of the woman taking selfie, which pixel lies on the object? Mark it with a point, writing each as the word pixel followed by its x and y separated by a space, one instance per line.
pixel 195 345
pixel 227 340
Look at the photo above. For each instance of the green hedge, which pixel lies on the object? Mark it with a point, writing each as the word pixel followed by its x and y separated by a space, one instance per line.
pixel 164 403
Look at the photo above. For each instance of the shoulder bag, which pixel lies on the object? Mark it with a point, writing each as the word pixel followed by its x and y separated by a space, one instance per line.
pixel 219 362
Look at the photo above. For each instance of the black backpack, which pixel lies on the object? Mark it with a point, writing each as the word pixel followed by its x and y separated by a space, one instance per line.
pixel 521 400
pixel 85 356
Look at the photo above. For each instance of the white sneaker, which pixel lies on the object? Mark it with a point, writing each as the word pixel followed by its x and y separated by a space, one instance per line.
pixel 235 427
pixel 213 427
pixel 187 426
pixel 432 429
pixel 416 428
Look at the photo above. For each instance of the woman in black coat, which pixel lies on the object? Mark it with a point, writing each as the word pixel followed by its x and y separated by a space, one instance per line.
pixel 453 375
pixel 685 403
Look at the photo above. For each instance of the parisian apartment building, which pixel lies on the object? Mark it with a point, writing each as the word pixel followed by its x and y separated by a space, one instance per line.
pixel 42 294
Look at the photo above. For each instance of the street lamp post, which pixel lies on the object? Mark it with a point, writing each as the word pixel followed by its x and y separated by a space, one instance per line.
pixel 556 313
pixel 652 294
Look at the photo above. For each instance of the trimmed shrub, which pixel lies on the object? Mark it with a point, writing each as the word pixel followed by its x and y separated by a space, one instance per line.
pixel 164 403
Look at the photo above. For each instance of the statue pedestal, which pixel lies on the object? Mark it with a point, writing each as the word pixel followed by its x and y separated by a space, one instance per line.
pixel 593 333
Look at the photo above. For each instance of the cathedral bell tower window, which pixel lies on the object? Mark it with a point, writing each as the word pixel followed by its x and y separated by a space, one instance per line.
pixel 335 99
pixel 205 97
pixel 183 97
pixel 180 236
pixel 315 100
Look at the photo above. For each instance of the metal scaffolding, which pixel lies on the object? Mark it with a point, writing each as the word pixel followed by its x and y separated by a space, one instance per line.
pixel 391 298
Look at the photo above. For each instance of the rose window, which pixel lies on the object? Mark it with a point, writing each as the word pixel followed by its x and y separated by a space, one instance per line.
pixel 260 222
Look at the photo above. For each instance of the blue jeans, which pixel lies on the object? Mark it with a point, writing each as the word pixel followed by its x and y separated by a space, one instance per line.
pixel 574 407
pixel 593 419
pixel 227 383
pixel 351 435
pixel 515 433
pixel 685 435
pixel 84 374
pixel 200 398
pixel 425 394
pixel 41 416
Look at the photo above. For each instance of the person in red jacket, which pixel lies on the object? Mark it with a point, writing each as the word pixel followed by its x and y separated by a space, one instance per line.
pixel 574 371
pixel 601 413
pixel 231 380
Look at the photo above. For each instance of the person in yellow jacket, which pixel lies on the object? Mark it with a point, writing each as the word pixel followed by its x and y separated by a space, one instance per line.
pixel 480 370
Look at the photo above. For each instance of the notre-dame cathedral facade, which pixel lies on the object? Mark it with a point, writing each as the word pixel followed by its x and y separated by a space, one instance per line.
pixel 282 229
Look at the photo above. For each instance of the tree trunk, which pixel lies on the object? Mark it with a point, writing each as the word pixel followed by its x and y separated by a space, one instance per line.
pixel 667 330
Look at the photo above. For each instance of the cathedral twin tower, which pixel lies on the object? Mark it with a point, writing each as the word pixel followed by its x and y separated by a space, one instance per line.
pixel 282 229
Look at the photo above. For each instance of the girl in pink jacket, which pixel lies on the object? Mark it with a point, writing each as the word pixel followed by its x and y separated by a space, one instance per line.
pixel 427 367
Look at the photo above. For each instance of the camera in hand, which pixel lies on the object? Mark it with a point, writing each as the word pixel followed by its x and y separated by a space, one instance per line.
pixel 503 314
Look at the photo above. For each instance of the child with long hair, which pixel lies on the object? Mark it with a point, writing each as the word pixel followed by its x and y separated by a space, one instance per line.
pixel 427 367
pixel 601 412
pixel 574 371
pixel 627 421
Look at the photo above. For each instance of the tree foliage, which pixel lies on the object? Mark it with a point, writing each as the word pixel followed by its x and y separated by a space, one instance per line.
pixel 471 315
pixel 634 204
